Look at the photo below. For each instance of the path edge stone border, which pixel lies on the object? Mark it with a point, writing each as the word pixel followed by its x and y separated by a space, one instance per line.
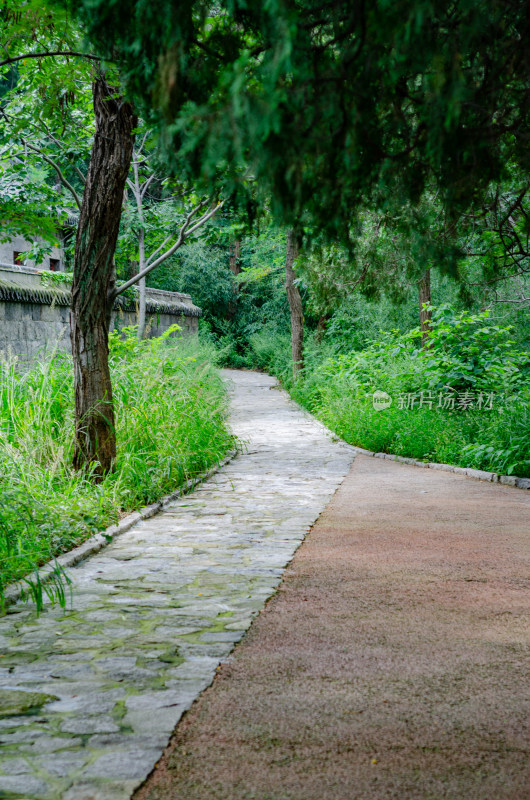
pixel 98 541
pixel 470 472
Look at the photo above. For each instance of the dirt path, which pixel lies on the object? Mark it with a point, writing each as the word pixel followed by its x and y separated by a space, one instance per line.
pixel 390 664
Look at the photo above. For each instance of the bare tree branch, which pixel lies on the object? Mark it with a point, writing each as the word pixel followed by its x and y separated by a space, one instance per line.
pixel 146 185
pixel 139 149
pixel 13 59
pixel 518 301
pixel 204 219
pixel 158 249
pixel 58 170
pixel 183 235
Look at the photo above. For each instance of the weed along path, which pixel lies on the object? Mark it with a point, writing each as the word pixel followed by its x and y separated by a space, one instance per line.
pixel 89 698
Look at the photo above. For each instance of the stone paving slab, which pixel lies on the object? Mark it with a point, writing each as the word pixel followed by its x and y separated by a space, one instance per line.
pixel 89 698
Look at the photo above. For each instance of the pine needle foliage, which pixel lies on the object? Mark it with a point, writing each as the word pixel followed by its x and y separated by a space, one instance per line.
pixel 318 105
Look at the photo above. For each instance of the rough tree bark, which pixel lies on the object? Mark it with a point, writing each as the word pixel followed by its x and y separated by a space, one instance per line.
pixel 235 257
pixel 234 260
pixel 94 278
pixel 295 305
pixel 425 315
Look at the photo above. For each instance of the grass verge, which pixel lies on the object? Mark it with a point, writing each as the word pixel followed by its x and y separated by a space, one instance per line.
pixel 496 439
pixel 464 400
pixel 170 411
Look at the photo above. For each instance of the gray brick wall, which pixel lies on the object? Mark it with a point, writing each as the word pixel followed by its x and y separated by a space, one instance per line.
pixel 28 328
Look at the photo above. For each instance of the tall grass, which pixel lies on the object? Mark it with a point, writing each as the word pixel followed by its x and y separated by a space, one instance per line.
pixel 497 439
pixel 170 411
pixel 468 353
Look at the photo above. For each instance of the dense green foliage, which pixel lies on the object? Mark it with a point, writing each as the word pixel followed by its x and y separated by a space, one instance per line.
pixel 170 426
pixel 370 129
pixel 465 400
pixel 323 105
pixel 368 345
pixel 47 122
pixel 234 308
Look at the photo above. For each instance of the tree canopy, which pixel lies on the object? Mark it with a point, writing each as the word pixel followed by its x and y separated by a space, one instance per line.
pixel 319 105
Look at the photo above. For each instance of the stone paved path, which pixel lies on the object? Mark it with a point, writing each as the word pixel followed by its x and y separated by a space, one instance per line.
pixel 88 699
pixel 392 663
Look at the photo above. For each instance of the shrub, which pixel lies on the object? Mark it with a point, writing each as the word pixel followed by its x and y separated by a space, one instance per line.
pixel 467 352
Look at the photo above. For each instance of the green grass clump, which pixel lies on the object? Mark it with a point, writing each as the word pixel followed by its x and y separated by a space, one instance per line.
pixel 170 417
pixel 497 440
pixel 467 353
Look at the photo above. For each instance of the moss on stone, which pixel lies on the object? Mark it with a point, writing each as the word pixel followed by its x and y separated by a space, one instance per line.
pixel 14 702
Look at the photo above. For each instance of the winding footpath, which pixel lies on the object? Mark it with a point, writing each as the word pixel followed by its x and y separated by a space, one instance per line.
pixel 392 663
pixel 89 698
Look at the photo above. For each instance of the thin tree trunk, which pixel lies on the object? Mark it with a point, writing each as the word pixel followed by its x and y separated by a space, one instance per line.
pixel 425 314
pixel 234 260
pixel 142 299
pixel 295 305
pixel 94 278
pixel 235 257
pixel 141 285
pixel 141 251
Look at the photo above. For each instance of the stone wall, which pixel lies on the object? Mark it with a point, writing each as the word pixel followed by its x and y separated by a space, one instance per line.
pixel 17 244
pixel 35 314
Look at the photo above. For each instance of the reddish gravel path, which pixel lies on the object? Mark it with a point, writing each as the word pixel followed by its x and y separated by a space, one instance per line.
pixel 391 663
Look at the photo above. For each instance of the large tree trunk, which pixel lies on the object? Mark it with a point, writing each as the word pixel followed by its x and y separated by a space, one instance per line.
pixel 295 305
pixel 425 314
pixel 94 278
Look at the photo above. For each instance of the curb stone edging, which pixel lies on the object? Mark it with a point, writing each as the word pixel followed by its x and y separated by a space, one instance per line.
pixel 470 472
pixel 98 541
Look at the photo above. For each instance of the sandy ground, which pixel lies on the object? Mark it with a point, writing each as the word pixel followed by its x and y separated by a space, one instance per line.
pixel 392 662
